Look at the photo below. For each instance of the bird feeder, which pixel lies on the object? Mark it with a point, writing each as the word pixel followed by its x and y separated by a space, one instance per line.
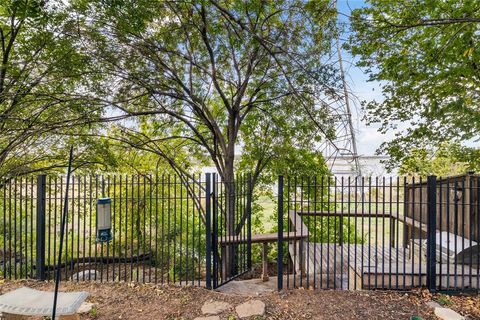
pixel 104 220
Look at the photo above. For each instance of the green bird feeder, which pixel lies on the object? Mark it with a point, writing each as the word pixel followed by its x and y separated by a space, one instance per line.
pixel 104 220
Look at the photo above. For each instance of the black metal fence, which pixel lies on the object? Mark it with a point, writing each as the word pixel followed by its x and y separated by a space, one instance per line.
pixel 231 229
pixel 18 208
pixel 161 227
pixel 379 233
pixel 336 233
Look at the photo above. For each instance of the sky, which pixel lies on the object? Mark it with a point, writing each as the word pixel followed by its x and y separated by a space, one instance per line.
pixel 368 137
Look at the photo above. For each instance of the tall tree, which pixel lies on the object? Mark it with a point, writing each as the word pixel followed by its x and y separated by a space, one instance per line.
pixel 205 66
pixel 208 64
pixel 42 86
pixel 426 56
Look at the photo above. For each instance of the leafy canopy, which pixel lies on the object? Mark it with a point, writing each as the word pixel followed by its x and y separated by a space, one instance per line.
pixel 211 76
pixel 447 160
pixel 426 54
pixel 43 85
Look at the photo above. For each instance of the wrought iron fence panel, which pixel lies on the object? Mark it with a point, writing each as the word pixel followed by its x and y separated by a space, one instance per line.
pixel 158 227
pixel 379 233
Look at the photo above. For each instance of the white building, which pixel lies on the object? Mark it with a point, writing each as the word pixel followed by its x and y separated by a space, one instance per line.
pixel 369 166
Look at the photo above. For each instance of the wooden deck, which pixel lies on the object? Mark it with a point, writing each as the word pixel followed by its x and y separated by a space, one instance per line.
pixel 321 257
pixel 366 266
pixel 415 274
pixel 357 266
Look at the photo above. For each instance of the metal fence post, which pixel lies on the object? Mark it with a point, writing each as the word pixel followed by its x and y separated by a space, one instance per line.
pixel 208 235
pixel 249 221
pixel 431 232
pixel 40 235
pixel 280 235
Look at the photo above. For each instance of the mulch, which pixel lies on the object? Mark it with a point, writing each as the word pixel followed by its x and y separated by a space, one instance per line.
pixel 135 301
pixel 467 305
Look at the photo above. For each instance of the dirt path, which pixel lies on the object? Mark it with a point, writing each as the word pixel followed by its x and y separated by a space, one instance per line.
pixel 129 301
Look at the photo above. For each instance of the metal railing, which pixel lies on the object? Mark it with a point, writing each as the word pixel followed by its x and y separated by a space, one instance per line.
pixel 380 233
pixel 350 233
pixel 158 225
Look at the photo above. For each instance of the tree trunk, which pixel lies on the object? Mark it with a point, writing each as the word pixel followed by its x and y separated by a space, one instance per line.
pixel 230 192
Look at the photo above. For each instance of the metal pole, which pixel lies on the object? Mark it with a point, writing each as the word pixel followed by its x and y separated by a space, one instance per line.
pixel 431 231
pixel 40 239
pixel 62 232
pixel 280 235
pixel 249 221
pixel 208 235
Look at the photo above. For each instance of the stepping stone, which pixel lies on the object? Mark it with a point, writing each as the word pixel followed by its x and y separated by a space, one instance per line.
pixel 85 275
pixel 208 318
pixel 447 314
pixel 215 307
pixel 29 302
pixel 250 308
pixel 85 307
pixel 433 304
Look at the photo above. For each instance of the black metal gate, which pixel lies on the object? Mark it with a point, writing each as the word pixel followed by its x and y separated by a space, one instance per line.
pixel 228 227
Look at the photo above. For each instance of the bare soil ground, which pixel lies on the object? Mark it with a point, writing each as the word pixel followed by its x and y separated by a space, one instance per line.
pixel 131 301
pixel 466 305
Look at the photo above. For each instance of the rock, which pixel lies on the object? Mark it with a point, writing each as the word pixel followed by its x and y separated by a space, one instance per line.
pixel 85 275
pixel 447 314
pixel 251 288
pixel 433 304
pixel 215 307
pixel 208 318
pixel 250 308
pixel 85 307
